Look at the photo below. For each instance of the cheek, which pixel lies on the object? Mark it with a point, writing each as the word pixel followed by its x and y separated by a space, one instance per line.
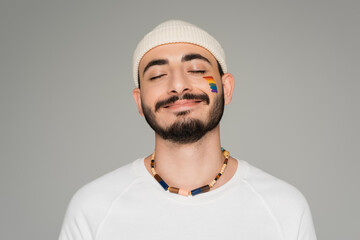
pixel 212 83
pixel 149 95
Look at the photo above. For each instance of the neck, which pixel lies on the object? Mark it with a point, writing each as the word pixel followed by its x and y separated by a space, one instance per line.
pixel 189 166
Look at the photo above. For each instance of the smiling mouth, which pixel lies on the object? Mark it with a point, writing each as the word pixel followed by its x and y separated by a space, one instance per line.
pixel 183 103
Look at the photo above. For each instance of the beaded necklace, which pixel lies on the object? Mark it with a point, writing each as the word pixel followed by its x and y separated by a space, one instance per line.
pixel 195 191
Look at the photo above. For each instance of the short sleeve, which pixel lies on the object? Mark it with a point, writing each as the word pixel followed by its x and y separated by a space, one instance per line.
pixel 306 227
pixel 75 225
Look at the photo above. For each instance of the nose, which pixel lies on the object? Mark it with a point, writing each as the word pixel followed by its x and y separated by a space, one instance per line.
pixel 179 83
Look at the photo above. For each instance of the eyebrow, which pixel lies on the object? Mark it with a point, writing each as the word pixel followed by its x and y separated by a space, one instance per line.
pixel 185 58
pixel 192 56
pixel 155 62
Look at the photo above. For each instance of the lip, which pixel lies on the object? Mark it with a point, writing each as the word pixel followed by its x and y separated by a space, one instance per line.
pixel 182 104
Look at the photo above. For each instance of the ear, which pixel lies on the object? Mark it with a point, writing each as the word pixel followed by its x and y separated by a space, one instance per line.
pixel 228 86
pixel 137 98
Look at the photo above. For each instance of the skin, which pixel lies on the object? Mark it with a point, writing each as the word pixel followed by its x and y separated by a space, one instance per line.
pixel 192 165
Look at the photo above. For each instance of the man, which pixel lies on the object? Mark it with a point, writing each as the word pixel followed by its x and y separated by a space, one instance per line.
pixel 189 188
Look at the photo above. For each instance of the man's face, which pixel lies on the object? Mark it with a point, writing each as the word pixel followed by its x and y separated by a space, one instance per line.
pixel 181 91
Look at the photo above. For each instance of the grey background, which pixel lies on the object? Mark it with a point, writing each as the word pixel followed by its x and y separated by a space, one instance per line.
pixel 68 117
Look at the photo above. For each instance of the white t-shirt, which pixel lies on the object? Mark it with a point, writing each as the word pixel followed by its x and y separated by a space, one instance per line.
pixel 129 203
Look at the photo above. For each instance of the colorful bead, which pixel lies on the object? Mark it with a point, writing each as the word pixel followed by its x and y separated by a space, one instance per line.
pixel 217 176
pixel 174 189
pixel 226 154
pixel 183 192
pixel 161 181
pixel 199 190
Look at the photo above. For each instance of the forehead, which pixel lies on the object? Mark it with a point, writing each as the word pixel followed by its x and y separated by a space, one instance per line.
pixel 174 52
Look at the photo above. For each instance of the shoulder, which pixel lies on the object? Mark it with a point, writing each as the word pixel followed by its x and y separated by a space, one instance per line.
pixel 103 190
pixel 91 203
pixel 273 189
pixel 284 201
pixel 287 205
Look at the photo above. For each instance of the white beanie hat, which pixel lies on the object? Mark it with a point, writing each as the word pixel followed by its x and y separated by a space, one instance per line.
pixel 176 31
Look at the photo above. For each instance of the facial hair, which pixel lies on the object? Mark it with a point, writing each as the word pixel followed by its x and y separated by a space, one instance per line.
pixel 186 130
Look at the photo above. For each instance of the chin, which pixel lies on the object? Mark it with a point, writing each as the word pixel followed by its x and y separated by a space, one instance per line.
pixel 182 113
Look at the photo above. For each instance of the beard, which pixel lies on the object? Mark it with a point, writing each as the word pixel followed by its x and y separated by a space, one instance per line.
pixel 186 130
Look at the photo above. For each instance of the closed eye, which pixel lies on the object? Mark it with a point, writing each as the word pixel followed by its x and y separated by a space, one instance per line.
pixel 158 76
pixel 197 71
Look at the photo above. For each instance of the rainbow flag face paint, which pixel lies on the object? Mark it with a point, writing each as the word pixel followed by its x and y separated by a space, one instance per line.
pixel 212 83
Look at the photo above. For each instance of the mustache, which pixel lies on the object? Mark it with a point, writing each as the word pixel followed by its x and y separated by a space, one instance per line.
pixel 188 96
